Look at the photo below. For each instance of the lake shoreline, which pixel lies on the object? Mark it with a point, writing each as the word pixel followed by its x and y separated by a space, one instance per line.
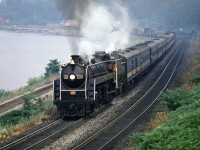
pixel 50 30
pixel 25 55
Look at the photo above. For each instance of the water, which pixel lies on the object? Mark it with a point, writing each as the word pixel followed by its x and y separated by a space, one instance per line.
pixel 25 55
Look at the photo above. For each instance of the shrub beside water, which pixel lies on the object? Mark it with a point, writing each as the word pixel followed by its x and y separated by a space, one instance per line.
pixel 53 68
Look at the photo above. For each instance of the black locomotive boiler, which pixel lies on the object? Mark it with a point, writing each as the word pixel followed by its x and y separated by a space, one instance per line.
pixel 85 86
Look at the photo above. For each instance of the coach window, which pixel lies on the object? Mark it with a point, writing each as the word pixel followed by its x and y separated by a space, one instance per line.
pixel 132 64
pixel 141 60
pixel 136 63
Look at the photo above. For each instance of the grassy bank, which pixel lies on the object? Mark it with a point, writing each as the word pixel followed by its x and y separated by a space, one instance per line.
pixel 181 125
pixel 32 84
pixel 33 112
pixel 51 73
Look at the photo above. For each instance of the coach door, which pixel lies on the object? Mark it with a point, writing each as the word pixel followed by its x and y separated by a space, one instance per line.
pixel 136 63
pixel 134 66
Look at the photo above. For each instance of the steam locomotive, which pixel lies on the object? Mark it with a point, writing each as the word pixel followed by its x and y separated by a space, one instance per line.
pixel 85 86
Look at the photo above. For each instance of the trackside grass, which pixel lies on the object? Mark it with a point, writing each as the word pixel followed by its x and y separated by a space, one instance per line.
pixel 32 84
pixel 181 129
pixel 32 113
pixel 51 73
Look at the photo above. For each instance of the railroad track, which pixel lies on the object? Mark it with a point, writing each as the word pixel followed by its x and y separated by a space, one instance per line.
pixel 10 104
pixel 38 137
pixel 51 132
pixel 108 136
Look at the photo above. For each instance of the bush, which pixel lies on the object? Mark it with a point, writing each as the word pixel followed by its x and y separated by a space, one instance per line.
pixel 34 80
pixel 182 126
pixel 3 93
pixel 30 108
pixel 180 132
pixel 172 98
pixel 181 129
pixel 53 67
pixel 11 118
pixel 16 121
pixel 196 78
pixel 16 116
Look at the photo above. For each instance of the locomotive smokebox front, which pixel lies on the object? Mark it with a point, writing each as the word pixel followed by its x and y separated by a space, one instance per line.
pixel 73 74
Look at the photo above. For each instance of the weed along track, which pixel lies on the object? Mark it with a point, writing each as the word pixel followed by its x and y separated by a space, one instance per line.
pixel 10 104
pixel 38 138
pixel 107 137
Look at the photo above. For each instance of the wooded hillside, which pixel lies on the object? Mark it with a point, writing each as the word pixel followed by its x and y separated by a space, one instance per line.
pixel 170 14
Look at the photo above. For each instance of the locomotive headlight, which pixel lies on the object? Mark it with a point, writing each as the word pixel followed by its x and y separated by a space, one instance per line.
pixel 72 77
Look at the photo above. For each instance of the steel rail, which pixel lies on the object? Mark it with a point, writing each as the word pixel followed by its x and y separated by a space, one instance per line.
pixel 31 134
pixel 151 104
pixel 54 134
pixel 91 138
pixel 12 103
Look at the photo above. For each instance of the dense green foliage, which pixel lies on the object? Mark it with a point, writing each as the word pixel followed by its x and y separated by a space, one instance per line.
pixel 30 108
pixel 53 67
pixel 174 98
pixel 181 130
pixel 196 77
pixel 28 115
pixel 169 15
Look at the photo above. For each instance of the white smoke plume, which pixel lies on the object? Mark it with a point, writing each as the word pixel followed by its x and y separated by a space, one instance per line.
pixel 104 30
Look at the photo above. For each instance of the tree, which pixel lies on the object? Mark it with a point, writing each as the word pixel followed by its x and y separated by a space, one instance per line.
pixel 53 67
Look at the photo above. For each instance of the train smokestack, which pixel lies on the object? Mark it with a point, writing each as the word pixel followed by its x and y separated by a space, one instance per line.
pixel 75 58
